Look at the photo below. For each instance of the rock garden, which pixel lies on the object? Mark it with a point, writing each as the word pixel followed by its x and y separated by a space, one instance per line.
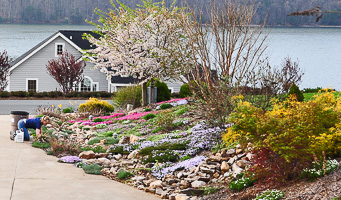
pixel 167 149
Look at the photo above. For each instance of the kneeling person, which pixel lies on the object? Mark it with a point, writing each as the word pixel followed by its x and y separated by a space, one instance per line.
pixel 35 123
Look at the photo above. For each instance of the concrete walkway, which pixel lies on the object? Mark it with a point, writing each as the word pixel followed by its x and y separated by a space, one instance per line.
pixel 28 173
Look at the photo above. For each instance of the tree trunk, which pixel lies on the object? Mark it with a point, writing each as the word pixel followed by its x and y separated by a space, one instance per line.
pixel 144 94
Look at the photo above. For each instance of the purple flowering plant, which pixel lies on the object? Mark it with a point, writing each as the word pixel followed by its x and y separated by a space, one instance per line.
pixel 69 159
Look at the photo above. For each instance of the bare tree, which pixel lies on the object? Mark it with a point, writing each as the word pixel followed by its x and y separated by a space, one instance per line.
pixel 66 70
pixel 228 61
pixel 318 12
pixel 4 70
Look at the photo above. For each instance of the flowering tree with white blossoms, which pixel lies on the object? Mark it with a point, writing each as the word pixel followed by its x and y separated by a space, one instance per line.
pixel 143 43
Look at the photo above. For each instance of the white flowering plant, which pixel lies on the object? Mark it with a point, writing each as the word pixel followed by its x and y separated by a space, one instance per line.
pixel 241 182
pixel 270 195
pixel 319 169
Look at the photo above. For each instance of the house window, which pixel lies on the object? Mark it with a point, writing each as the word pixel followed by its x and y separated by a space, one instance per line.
pixel 31 85
pixel 86 85
pixel 59 49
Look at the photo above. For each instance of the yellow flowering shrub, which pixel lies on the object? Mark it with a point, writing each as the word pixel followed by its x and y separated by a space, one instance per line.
pixel 292 129
pixel 96 106
pixel 287 137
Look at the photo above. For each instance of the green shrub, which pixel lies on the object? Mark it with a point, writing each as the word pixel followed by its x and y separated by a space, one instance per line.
pixel 147 109
pixel 111 141
pixel 181 111
pixel 165 106
pixel 94 141
pixel 161 156
pixel 92 169
pixel 4 94
pixel 185 91
pixel 67 110
pixel 124 174
pixel 98 149
pixel 118 149
pixel 163 147
pixel 165 120
pixel 98 119
pixel 54 94
pixel 149 116
pixel 155 138
pixel 270 195
pixel 18 93
pixel 294 90
pixel 41 145
pixel 128 95
pixel 241 183
pixel 101 126
pixel 38 95
pixel 163 93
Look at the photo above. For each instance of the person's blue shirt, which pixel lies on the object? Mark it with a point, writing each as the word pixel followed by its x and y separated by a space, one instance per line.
pixel 33 123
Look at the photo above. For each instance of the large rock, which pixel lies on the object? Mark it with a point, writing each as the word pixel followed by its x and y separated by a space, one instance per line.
pixel 124 140
pixel 242 163
pixel 104 161
pixel 198 184
pixel 191 191
pixel 230 152
pixel 156 184
pixel 236 170
pixel 87 155
pixel 134 154
pixel 133 139
pixel 224 167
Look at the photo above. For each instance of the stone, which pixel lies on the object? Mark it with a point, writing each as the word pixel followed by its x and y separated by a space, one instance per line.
pixel 127 162
pixel 191 191
pixel 215 158
pixel 133 138
pixel 206 178
pixel 198 184
pixel 87 155
pixel 101 155
pixel 124 140
pixel 238 146
pixel 156 184
pixel 104 161
pixel 231 161
pixel 250 156
pixel 236 170
pixel 206 170
pixel 238 151
pixel 151 190
pixel 140 187
pixel 181 197
pixel 133 154
pixel 180 175
pixel 216 175
pixel 230 152
pixel 138 178
pixel 242 163
pixel 117 157
pixel 224 166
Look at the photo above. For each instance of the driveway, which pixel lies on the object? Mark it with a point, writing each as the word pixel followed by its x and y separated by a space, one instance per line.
pixel 30 106
pixel 28 173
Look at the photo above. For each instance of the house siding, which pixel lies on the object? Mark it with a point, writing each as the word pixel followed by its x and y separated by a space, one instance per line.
pixel 174 85
pixel 35 67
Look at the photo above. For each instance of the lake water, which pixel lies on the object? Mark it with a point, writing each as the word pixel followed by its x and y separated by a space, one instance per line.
pixel 318 50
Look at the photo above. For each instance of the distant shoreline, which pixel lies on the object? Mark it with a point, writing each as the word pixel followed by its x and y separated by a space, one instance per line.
pixel 267 26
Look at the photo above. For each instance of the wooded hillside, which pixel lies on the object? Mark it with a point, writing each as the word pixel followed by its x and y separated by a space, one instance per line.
pixel 76 11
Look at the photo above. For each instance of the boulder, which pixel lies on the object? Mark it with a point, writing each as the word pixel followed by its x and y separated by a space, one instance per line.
pixel 198 184
pixel 133 138
pixel 156 184
pixel 87 155
pixel 242 163
pixel 215 158
pixel 134 154
pixel 224 166
pixel 124 140
pixel 117 157
pixel 230 152
pixel 236 170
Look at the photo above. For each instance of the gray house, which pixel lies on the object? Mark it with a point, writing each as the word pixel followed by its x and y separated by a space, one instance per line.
pixel 28 72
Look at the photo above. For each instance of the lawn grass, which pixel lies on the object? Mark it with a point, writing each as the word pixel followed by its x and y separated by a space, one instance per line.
pixel 309 96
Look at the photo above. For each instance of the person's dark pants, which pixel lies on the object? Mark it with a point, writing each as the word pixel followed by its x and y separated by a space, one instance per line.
pixel 22 127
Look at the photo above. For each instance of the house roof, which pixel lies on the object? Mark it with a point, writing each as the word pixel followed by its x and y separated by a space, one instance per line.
pixel 74 38
pixel 123 80
pixel 77 38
